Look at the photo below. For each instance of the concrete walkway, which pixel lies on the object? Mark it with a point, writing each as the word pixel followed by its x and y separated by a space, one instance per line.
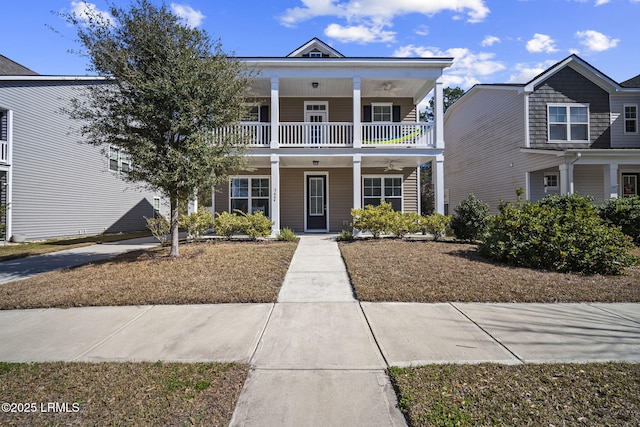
pixel 318 356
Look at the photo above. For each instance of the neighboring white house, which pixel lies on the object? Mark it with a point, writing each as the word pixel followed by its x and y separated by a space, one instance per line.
pixel 571 129
pixel 331 133
pixel 51 184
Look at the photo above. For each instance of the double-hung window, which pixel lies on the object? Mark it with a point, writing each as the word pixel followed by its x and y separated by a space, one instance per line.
pixel 377 189
pixel 119 160
pixel 381 113
pixel 249 194
pixel 630 118
pixel 568 122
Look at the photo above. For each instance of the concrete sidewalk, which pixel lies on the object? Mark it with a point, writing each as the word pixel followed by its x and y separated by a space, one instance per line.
pixel 318 356
pixel 22 268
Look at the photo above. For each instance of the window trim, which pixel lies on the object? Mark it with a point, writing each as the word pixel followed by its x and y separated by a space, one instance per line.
pixel 249 197
pixel 624 119
pixel 556 175
pixel 568 123
pixel 382 188
pixel 120 159
pixel 381 104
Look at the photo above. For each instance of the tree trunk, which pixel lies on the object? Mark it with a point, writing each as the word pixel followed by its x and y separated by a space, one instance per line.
pixel 174 227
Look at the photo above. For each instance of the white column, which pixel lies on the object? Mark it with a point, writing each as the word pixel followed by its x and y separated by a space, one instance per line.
pixel 357 181
pixel 565 187
pixel 275 194
pixel 357 109
pixel 439 115
pixel 275 111
pixel 438 182
pixel 611 181
pixel 9 201
pixel 192 206
pixel 213 200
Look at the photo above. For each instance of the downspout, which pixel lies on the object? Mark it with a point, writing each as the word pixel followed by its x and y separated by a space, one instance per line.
pixel 570 171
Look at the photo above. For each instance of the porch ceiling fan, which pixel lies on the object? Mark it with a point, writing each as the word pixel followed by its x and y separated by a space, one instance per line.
pixel 393 167
pixel 387 87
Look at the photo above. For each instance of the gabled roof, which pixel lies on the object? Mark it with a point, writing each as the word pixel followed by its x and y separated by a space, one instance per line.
pixel 632 82
pixel 581 66
pixel 315 45
pixel 12 68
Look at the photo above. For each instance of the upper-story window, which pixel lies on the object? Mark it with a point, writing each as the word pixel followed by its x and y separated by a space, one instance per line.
pixel 315 54
pixel 119 160
pixel 568 122
pixel 252 113
pixel 381 112
pixel 4 125
pixel 630 118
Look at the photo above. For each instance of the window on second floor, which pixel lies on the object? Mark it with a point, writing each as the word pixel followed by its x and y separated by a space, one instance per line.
pixel 381 112
pixel 568 122
pixel 119 160
pixel 4 125
pixel 630 118
pixel 252 113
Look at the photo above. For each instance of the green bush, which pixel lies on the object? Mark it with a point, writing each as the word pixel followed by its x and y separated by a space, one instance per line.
pixel 255 225
pixel 288 235
pixel 378 220
pixel 415 223
pixel 3 225
pixel 159 227
pixel 345 236
pixel 559 233
pixel 437 225
pixel 227 224
pixel 197 223
pixel 625 213
pixel 470 219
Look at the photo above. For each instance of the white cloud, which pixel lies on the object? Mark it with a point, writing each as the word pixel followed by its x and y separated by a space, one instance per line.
pixel 490 40
pixel 359 34
pixel 468 67
pixel 86 11
pixel 423 30
pixel 596 41
pixel 526 72
pixel 541 43
pixel 475 10
pixel 601 2
pixel 192 17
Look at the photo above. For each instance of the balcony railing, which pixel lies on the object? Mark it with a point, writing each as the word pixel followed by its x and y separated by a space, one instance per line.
pixel 332 134
pixel 4 151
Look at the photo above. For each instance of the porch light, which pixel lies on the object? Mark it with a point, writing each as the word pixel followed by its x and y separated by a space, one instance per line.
pixel 316 163
pixel 314 85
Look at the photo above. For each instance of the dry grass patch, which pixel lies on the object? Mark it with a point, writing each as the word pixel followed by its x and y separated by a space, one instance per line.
pixel 595 394
pixel 205 273
pixel 122 393
pixel 395 270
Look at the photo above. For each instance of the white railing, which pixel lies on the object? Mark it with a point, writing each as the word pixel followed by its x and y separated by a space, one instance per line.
pixel 254 134
pixel 4 151
pixel 316 134
pixel 397 134
pixel 331 134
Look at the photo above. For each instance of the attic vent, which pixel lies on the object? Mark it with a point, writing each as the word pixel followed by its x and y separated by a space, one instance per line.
pixel 315 54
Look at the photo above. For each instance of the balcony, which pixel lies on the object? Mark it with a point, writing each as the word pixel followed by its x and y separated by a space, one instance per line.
pixel 334 135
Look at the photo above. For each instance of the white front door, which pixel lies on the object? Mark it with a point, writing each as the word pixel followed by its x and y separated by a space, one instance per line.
pixel 316 112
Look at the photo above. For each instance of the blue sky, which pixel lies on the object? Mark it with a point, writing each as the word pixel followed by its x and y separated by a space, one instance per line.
pixel 491 41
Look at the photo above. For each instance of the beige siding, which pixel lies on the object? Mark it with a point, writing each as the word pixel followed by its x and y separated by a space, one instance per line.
pixel 409 185
pixel 483 137
pixel 407 109
pixel 340 198
pixel 292 109
pixel 292 199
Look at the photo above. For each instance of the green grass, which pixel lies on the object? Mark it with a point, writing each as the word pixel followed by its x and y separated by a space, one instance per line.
pixel 21 250
pixel 123 393
pixel 594 394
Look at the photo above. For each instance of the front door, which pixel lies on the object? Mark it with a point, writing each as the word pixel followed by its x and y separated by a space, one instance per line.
pixel 629 184
pixel 316 203
pixel 315 114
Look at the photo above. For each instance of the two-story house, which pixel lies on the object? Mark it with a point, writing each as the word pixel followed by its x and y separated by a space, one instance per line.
pixel 50 184
pixel 330 133
pixel 571 129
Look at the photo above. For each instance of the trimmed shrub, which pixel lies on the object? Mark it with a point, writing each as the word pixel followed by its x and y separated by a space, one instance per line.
pixel 227 224
pixel 415 223
pixel 159 227
pixel 437 225
pixel 3 226
pixel 470 219
pixel 197 223
pixel 287 235
pixel 559 233
pixel 345 236
pixel 378 220
pixel 255 225
pixel 625 213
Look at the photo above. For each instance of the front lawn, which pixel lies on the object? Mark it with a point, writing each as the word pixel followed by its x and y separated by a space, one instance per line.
pixel 594 394
pixel 92 394
pixel 429 272
pixel 205 273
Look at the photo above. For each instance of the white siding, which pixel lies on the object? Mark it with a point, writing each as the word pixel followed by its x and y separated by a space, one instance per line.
pixel 61 186
pixel 483 137
pixel 589 180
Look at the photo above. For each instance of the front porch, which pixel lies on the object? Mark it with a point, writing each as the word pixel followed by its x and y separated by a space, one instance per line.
pixel 309 192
